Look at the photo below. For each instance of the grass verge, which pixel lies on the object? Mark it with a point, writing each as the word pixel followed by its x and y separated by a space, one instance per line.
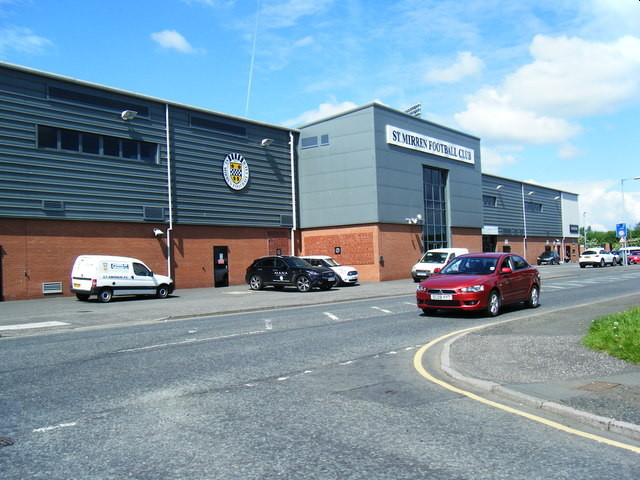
pixel 617 335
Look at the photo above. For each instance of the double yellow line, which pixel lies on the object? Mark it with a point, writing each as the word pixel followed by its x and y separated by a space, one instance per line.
pixel 418 364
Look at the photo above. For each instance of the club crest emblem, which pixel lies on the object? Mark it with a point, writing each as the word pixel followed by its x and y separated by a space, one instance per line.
pixel 236 171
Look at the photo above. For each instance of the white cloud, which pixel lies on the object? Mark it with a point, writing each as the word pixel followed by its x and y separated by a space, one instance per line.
pixel 324 110
pixel 495 116
pixel 466 64
pixel 575 77
pixel 173 40
pixel 568 151
pixel 286 13
pixel 22 40
pixel 493 160
pixel 568 77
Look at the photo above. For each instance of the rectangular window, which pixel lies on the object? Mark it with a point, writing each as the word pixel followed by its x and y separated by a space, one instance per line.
pixel 69 140
pixel 574 228
pixel 91 143
pixel 96 101
pixel 533 207
pixel 111 146
pixel 74 141
pixel 218 126
pixel 47 137
pixel 489 201
pixel 324 139
pixel 129 149
pixel 309 142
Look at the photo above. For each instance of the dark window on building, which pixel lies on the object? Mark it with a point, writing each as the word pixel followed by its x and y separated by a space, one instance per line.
pixel 153 214
pixel 574 228
pixel 435 230
pixel 489 201
pixel 129 149
pixel 47 137
pixel 96 101
pixel 218 126
pixel 111 146
pixel 73 141
pixel 91 143
pixel 324 139
pixel 309 142
pixel 69 140
pixel 533 207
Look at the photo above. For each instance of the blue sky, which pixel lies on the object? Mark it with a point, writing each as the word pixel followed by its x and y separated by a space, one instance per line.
pixel 551 87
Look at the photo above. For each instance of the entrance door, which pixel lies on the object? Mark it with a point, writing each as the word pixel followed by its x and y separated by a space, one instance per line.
pixel 220 267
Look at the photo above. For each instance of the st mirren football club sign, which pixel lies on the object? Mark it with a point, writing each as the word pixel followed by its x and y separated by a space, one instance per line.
pixel 236 171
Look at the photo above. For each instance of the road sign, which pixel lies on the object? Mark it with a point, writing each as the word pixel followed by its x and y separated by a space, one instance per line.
pixel 621 229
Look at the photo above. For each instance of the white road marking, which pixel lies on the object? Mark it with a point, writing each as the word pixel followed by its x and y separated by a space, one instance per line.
pixel 185 342
pixel 331 316
pixel 381 310
pixel 54 427
pixel 25 326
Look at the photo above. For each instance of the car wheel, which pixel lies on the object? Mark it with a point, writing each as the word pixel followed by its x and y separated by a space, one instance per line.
pixel 303 284
pixel 582 265
pixel 255 282
pixel 162 292
pixel 493 304
pixel 105 295
pixel 82 296
pixel 601 262
pixel 533 301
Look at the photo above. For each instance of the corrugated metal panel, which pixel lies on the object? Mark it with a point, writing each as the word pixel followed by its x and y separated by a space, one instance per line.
pixel 508 214
pixel 96 187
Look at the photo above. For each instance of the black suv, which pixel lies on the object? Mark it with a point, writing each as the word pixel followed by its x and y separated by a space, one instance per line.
pixel 281 271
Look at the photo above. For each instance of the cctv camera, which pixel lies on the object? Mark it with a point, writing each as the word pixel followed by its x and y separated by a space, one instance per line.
pixel 158 233
pixel 266 142
pixel 128 114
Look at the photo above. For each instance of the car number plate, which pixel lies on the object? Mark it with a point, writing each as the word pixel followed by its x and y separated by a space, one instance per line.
pixel 331 279
pixel 76 285
pixel 441 297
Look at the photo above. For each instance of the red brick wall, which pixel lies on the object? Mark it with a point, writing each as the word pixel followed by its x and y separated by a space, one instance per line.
pixel 37 251
pixel 469 238
pixel 362 245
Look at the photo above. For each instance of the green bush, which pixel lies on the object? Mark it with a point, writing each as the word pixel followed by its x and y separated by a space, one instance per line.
pixel 617 335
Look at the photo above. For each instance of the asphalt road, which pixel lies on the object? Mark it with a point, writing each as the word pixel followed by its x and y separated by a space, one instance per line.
pixel 312 392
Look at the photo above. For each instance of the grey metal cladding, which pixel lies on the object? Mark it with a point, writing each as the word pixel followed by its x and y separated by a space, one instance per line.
pixel 515 200
pixel 107 188
pixel 400 171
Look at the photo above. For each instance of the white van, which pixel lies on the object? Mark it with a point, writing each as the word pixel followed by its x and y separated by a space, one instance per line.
pixel 106 276
pixel 432 259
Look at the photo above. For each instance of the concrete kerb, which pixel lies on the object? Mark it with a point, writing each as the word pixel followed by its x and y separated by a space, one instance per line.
pixel 626 429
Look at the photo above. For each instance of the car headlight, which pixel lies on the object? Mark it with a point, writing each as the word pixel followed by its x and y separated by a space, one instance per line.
pixel 474 288
pixel 421 288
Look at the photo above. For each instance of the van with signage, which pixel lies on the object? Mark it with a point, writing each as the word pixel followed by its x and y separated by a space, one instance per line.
pixel 432 259
pixel 106 276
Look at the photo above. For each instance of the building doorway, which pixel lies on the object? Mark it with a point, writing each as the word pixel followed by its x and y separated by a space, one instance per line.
pixel 221 266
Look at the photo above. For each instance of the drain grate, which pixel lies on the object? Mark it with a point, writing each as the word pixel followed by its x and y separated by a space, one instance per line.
pixel 598 386
pixel 5 442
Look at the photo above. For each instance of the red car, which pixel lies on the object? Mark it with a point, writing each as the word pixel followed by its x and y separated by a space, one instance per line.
pixel 633 257
pixel 480 282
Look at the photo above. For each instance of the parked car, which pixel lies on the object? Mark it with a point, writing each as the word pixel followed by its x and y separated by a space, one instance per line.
pixel 480 282
pixel 633 257
pixel 550 258
pixel 106 276
pixel 345 275
pixel 617 257
pixel 432 259
pixel 596 257
pixel 280 271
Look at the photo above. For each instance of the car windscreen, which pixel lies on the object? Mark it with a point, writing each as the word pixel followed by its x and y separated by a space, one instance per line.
pixel 297 262
pixel 434 257
pixel 471 266
pixel 590 252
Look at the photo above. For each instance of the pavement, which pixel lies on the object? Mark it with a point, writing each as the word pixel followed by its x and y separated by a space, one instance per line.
pixel 534 359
